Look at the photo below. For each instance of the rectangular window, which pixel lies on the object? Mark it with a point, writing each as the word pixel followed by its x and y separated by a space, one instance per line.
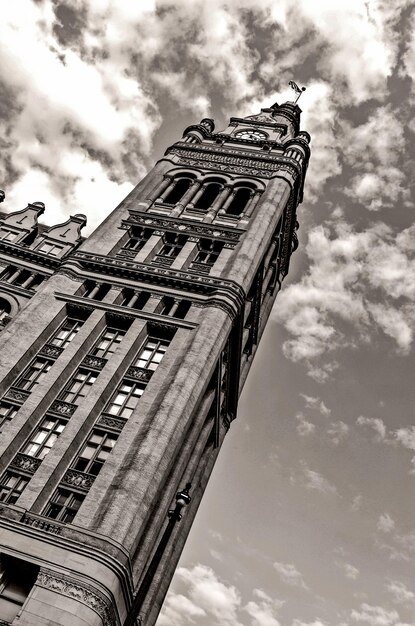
pixel 8 235
pixel 151 353
pixel 78 386
pixel 125 399
pixel 66 332
pixel 11 486
pixel 50 248
pixel 64 505
pixel 44 437
pixel 138 239
pixel 108 342
pixel 172 245
pixel 95 452
pixel 33 374
pixel 7 411
pixel 16 581
pixel 208 251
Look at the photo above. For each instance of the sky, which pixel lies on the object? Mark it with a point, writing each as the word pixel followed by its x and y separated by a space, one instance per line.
pixel 308 518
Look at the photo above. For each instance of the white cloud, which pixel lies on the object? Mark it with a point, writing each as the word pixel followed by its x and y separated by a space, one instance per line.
pixel 350 571
pixel 312 402
pixel 313 480
pixel 206 591
pixel 385 523
pixel 376 424
pixel 375 615
pixel 401 593
pixel 338 431
pixel 304 427
pixel 290 575
pixel 263 609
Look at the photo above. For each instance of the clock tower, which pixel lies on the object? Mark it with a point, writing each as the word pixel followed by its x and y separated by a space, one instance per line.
pixel 124 355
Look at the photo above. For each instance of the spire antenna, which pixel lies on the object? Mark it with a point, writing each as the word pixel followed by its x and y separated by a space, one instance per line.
pixel 297 90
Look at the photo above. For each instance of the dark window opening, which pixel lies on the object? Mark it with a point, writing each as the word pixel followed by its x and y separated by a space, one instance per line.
pixel 208 196
pixel 138 239
pixel 95 291
pixel 208 251
pixel 17 578
pixel 95 452
pixel 64 505
pixel 11 487
pixel 239 201
pixel 135 299
pixel 5 309
pixel 178 191
pixel 172 245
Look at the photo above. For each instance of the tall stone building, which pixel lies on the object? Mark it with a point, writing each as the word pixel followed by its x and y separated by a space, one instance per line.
pixel 122 359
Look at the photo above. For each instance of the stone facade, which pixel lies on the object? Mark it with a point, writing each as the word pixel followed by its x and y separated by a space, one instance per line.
pixel 124 355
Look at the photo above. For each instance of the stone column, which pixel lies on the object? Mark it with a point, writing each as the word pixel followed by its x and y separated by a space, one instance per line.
pixel 13 277
pixel 29 281
pixel 153 244
pixel 159 190
pixel 191 205
pixel 186 255
pixel 221 198
pixel 190 193
pixel 227 202
pixel 255 195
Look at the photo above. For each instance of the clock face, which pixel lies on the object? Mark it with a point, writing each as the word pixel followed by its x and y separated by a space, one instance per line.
pixel 252 135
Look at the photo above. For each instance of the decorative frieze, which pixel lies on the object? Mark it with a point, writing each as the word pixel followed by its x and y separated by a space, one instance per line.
pixel 16 394
pixel 95 362
pixel 241 163
pixel 50 351
pixel 138 373
pixel 25 462
pixel 185 227
pixel 42 523
pixel 82 592
pixel 80 480
pixel 115 423
pixel 63 408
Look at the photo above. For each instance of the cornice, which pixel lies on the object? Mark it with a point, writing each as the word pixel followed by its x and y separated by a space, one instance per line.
pixel 122 311
pixel 104 550
pixel 227 290
pixel 34 257
pixel 185 226
pixel 241 162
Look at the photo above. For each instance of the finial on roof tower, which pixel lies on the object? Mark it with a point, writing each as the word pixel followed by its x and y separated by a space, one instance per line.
pixel 297 90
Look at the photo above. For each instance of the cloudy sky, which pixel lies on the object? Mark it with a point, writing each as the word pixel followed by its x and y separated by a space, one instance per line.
pixel 308 519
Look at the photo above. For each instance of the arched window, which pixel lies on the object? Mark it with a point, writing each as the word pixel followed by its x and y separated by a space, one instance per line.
pixel 239 201
pixel 5 309
pixel 178 191
pixel 208 196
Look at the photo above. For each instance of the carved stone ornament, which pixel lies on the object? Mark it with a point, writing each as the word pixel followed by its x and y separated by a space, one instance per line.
pixel 26 463
pixel 63 408
pixel 50 350
pixel 111 422
pixel 203 230
pixel 82 592
pixel 80 480
pixel 17 394
pixel 138 373
pixel 94 361
pixel 37 521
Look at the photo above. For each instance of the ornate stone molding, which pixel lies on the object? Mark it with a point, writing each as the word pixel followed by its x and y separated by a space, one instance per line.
pixel 77 479
pixel 82 592
pixel 38 260
pixel 41 523
pixel 185 226
pixel 25 462
pixel 232 293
